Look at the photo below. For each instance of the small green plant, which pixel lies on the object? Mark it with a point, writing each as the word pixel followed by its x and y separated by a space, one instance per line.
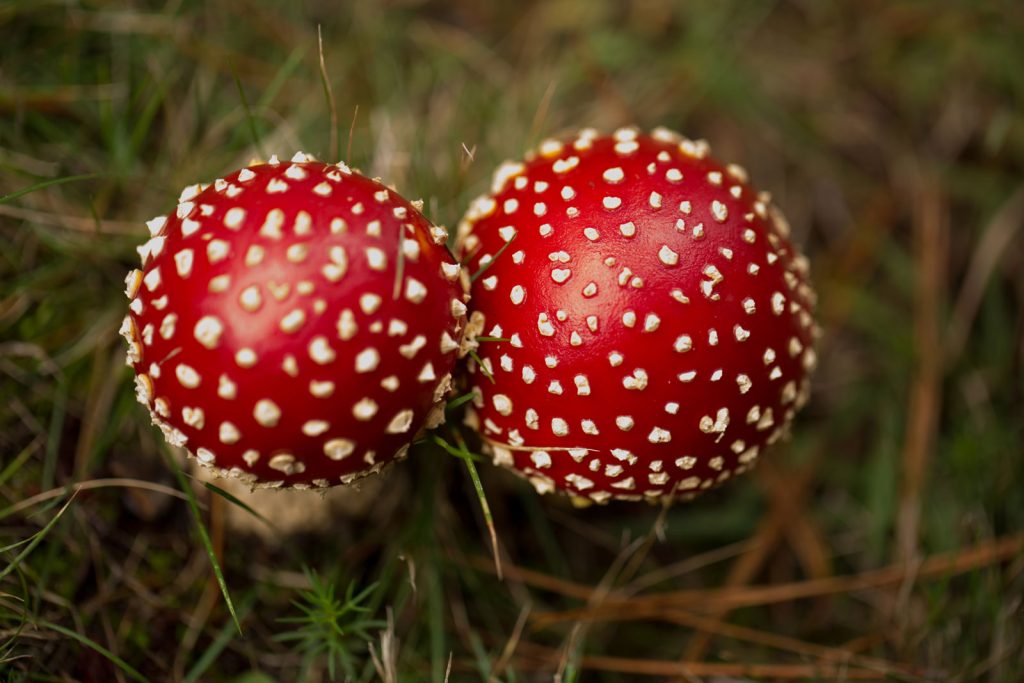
pixel 331 627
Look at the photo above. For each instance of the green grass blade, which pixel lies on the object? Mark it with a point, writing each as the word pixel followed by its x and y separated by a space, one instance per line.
pixel 288 67
pixel 45 184
pixel 37 538
pixel 235 501
pixel 452 450
pixel 18 461
pixel 485 508
pixel 483 369
pixel 11 546
pixel 436 607
pixel 157 89
pixel 484 267
pixel 93 645
pixel 204 536
pixel 56 428
pixel 13 634
pixel 220 642
pixel 253 130
pixel 459 400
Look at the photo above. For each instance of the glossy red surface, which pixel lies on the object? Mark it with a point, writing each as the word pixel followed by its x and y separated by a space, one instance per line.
pixel 294 323
pixel 659 318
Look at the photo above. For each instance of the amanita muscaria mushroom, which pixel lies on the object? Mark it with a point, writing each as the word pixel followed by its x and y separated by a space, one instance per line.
pixel 658 319
pixel 294 324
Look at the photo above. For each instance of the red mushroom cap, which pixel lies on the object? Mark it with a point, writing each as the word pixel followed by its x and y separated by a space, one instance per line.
pixel 294 324
pixel 658 317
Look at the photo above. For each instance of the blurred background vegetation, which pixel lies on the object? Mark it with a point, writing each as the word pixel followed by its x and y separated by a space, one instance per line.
pixel 883 541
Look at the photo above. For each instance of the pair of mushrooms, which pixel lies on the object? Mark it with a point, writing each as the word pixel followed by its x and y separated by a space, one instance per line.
pixel 642 324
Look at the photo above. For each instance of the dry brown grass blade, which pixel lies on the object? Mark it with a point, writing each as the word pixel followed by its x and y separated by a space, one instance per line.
pixel 540 658
pixel 351 133
pixel 835 655
pixel 683 567
pixel 812 550
pixel 789 492
pixel 195 623
pixel 741 572
pixel 931 255
pixel 328 95
pixel 465 45
pixel 945 565
pixel 510 645
pixel 222 59
pixel 992 248
pixel 76 223
pixel 534 578
pixel 541 114
pixel 123 22
pixel 265 19
pixel 543 581
pixel 58 99
pixel 604 86
pixel 102 391
pixel 857 253
pixel 619 567
pixel 656 532
pixel 115 482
